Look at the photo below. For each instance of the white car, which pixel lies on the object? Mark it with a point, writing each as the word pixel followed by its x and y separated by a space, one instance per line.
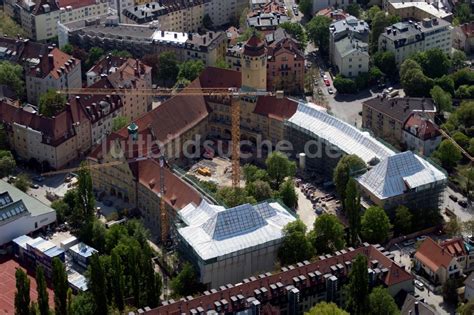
pixel 421 238
pixel 419 285
pixel 325 77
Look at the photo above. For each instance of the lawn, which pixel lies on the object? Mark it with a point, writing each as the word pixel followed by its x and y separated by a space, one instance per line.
pixel 8 26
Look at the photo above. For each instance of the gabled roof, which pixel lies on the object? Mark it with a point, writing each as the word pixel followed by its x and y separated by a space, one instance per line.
pixel 432 255
pixel 421 127
pixel 400 108
pixel 55 63
pixel 468 29
pixel 276 108
pixel 413 306
pixel 455 246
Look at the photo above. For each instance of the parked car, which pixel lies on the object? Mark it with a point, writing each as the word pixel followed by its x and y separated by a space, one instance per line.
pixel 34 186
pixel 421 238
pixel 330 90
pixel 453 198
pixel 419 285
pixel 38 179
pixel 326 82
pixel 462 203
pixel 408 243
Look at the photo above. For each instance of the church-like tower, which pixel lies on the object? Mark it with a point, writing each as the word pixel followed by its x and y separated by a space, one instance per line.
pixel 254 64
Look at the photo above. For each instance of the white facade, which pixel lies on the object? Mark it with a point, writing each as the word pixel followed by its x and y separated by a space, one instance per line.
pixel 32 214
pixel 93 9
pixel 418 145
pixel 405 39
pixel 351 57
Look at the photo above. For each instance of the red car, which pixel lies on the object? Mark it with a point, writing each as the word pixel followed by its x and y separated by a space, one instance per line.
pixel 327 82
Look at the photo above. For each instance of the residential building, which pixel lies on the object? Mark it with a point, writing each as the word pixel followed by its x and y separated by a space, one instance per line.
pixel 463 37
pixel 296 288
pixel 54 71
pixel 319 5
pixel 348 48
pixel 351 56
pixel 463 252
pixel 420 134
pixel 141 40
pixel 124 73
pixel 333 14
pixel 469 287
pixel 418 10
pixel 21 214
pixel 53 142
pixel 224 253
pixel 39 18
pixel 183 16
pixel 386 117
pixel 267 18
pixel 406 38
pixel 416 306
pixel 436 263
pixel 403 179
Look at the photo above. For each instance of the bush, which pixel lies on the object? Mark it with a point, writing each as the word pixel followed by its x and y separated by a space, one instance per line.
pixel 344 85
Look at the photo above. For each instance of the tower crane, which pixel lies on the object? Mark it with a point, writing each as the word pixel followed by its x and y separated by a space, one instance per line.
pixel 235 95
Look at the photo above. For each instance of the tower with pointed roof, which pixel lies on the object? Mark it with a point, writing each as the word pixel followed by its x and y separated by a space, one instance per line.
pixel 254 64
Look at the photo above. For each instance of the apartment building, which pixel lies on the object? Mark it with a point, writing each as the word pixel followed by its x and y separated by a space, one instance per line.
pixel 39 18
pixel 319 5
pixel 463 37
pixel 386 117
pixel 420 134
pixel 268 17
pixel 52 141
pixel 183 16
pixel 141 40
pixel 296 288
pixel 463 252
pixel 407 38
pixel 348 46
pixel 124 73
pixel 418 10
pixel 54 71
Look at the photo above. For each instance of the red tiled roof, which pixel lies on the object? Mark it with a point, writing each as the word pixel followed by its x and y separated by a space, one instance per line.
pixel 276 108
pixel 425 128
pixel 432 255
pixel 468 29
pixel 396 274
pixel 220 78
pixel 62 63
pixel 76 3
pixel 455 246
pixel 254 46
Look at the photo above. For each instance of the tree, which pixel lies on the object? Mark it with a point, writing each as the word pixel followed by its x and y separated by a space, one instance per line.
pixel 83 304
pixel 185 283
pixel 348 166
pixel 23 182
pixel 434 62
pixel 344 85
pixel 296 31
pixel 352 209
pixel 190 69
pixel 288 194
pixel 453 227
pixel 7 163
pixel 306 7
pixel 468 227
pixel 467 308
pixel 381 302
pixel 375 225
pixel 95 53
pixel 252 173
pixel 150 279
pixel 168 68
pixel 69 301
pixel 97 285
pixel 221 63
pixel 442 99
pixel 358 287
pixel 121 53
pixel 458 59
pixel 51 103
pixel 207 21
pixel 403 220
pixel 318 30
pixel 9 27
pixel 295 246
pixel 386 62
pixel 353 9
pixel 450 294
pixel 408 64
pixel 60 287
pixel 260 190
pixel 233 197
pixel 446 82
pixel 416 84
pixel 279 167
pixel 22 294
pixel 118 281
pixel 461 139
pixel 43 296
pixel 248 32
pixel 372 12
pixel 380 21
pixel 375 75
pixel 327 235
pixel 463 12
pixel 11 75
pixel 448 154
pixel 119 122
pixel 324 308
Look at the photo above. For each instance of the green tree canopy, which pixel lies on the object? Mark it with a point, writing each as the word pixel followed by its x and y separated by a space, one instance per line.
pixel 295 246
pixel 233 197
pixel 186 282
pixel 324 308
pixel 327 235
pixel 42 289
pixel 380 20
pixel 253 173
pixel 221 63
pixel 168 68
pixel 306 7
pixel 94 54
pixel 448 154
pixel 97 284
pixel 453 227
pixel 22 294
pixel 434 62
pixel 415 83
pixel 119 122
pixel 457 59
pixel 83 304
pixel 450 294
pixel 442 99
pixel 279 167
pixel 381 302
pixel 51 103
pixel 11 75
pixel 467 308
pixel 60 286
pixel 121 53
pixel 385 61
pixel 318 31
pixel 462 12
pixel 260 190
pixel 353 9
pixel 288 195
pixel 358 287
pixel 190 69
pixel 446 82
pixel 375 225
pixel 347 167
pixel 207 21
pixel 297 31
pixel 403 220
pixel 247 33
pixel 352 209
pixel 345 85
pixel 7 163
pixel 23 182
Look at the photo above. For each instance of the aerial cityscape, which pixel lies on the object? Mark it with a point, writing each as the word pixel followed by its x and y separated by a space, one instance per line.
pixel 247 157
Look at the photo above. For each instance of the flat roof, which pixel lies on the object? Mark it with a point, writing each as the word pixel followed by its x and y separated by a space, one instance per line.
pixel 422 5
pixel 83 250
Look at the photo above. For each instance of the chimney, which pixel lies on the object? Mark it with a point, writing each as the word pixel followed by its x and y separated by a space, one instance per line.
pixel 78 99
pixel 416 308
pixel 51 61
pixel 210 35
pixel 190 36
